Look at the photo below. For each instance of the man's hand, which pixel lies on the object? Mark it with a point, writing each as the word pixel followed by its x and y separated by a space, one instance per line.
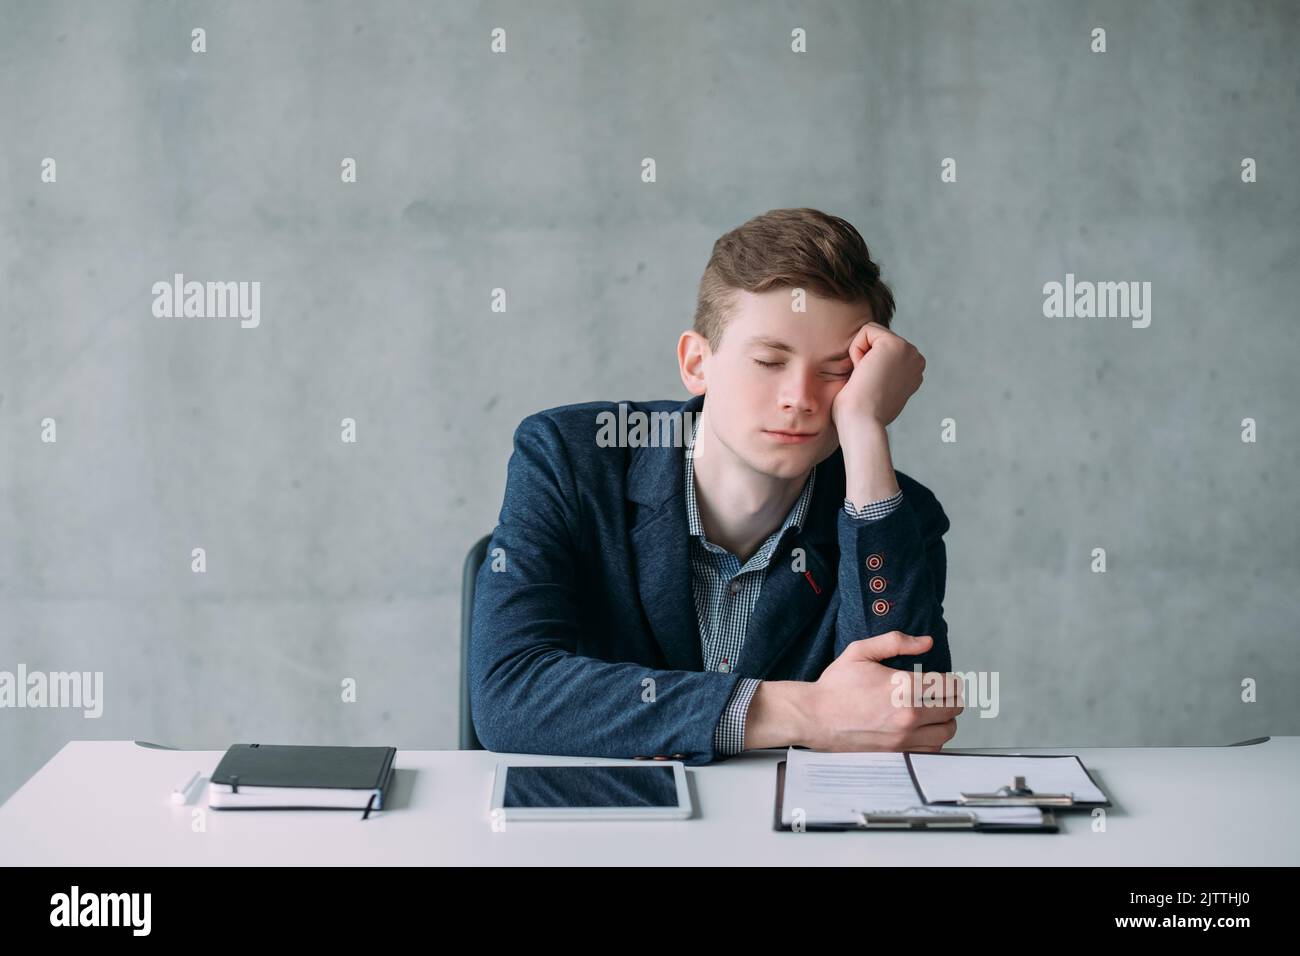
pixel 852 706
pixel 887 371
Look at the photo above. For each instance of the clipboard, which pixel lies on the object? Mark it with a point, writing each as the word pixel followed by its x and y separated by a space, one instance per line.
pixel 887 822
pixel 1014 793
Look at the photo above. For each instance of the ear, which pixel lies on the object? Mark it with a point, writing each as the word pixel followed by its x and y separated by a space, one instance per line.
pixel 693 353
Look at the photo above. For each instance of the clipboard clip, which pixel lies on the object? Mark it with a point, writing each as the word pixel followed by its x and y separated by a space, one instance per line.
pixel 927 818
pixel 1016 795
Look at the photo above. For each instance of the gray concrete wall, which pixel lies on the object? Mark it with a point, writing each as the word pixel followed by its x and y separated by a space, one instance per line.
pixel 328 560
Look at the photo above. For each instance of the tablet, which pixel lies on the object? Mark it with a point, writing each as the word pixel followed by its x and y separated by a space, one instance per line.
pixel 586 790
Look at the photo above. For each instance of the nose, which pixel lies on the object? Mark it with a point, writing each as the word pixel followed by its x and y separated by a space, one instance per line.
pixel 798 394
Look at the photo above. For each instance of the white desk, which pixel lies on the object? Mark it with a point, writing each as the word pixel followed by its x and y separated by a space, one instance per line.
pixel 102 803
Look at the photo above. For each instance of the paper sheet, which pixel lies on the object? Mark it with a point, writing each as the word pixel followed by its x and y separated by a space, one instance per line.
pixel 945 776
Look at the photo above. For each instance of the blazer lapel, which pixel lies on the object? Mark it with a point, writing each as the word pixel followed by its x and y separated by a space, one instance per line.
pixel 660 543
pixel 796 593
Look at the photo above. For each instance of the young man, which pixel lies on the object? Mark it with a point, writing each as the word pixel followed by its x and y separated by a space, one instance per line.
pixel 770 583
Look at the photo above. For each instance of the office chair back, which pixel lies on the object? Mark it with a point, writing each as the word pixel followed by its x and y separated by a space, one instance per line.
pixel 473 561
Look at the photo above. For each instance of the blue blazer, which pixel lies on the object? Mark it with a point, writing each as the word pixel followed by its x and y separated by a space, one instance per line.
pixel 585 640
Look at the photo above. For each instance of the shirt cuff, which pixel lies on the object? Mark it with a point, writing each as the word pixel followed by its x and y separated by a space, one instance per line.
pixel 875 510
pixel 729 736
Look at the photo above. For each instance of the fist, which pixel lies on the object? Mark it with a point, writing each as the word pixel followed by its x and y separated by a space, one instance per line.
pixel 887 371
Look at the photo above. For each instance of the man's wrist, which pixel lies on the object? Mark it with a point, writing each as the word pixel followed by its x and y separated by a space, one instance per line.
pixel 868 466
pixel 779 715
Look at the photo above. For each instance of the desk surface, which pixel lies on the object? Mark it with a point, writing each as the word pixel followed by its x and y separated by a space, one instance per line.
pixel 102 803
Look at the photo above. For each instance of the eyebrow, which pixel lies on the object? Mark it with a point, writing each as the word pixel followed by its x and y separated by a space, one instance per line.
pixel 782 347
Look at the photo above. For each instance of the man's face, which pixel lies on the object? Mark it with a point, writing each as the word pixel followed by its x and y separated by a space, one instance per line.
pixel 778 371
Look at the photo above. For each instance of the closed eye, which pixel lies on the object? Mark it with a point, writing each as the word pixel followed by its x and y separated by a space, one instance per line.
pixel 844 374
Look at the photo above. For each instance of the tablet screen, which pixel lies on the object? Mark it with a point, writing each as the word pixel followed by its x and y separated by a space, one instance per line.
pixel 590 787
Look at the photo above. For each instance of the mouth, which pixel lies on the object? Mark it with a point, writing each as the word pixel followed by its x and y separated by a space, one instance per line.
pixel 789 438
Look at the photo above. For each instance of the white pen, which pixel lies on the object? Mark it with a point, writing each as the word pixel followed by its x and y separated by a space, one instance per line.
pixel 179 794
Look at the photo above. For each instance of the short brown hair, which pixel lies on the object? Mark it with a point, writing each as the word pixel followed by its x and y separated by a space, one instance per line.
pixel 796 248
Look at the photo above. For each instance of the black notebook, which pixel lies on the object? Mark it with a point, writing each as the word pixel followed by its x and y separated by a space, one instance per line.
pixel 297 777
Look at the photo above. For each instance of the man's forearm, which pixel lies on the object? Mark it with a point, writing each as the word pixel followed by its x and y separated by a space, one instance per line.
pixel 778 715
pixel 868 466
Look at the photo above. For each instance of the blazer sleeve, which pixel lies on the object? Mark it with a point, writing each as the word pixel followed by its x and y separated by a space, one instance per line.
pixel 530 691
pixel 892 575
